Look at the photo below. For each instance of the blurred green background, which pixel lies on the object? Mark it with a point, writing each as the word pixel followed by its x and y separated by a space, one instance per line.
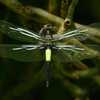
pixel 26 80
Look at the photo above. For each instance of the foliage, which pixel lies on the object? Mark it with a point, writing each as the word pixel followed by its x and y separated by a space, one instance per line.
pixel 22 76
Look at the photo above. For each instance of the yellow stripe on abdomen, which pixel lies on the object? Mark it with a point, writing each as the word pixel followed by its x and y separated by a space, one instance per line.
pixel 48 55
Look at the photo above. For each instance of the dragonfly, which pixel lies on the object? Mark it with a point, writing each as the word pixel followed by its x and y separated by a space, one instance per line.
pixel 43 41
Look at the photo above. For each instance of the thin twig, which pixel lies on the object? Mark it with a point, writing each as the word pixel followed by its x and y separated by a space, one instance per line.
pixel 71 9
pixel 32 13
pixel 64 8
pixel 52 6
pixel 68 23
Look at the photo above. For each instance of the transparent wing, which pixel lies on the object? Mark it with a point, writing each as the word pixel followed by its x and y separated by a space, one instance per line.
pixel 23 53
pixel 18 33
pixel 66 55
pixel 27 33
pixel 93 31
pixel 79 34
pixel 83 32
pixel 69 50
pixel 69 47
pixel 73 52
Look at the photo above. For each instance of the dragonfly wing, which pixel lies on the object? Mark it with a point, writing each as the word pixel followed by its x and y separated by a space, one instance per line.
pixel 68 47
pixel 27 33
pixel 93 31
pixel 23 53
pixel 81 35
pixel 18 33
pixel 72 52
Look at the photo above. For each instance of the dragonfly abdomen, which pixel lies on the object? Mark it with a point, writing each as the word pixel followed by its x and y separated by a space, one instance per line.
pixel 48 54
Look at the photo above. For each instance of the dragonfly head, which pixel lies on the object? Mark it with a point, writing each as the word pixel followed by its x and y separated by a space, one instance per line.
pixel 47 31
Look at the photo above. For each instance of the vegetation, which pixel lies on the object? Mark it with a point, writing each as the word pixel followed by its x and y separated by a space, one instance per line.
pixel 75 79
